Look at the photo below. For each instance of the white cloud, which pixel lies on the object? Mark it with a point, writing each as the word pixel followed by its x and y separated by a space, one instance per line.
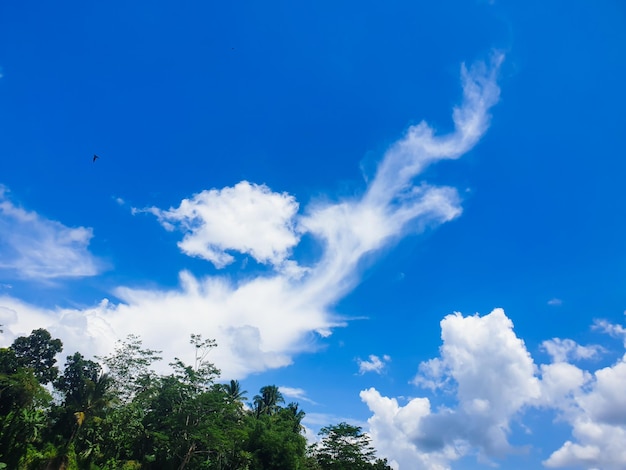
pixel 614 330
pixel 555 302
pixel 248 218
pixel 597 414
pixel 295 393
pixel 36 248
pixel 375 364
pixel 261 323
pixel 559 383
pixel 495 380
pixel 395 430
pixel 562 350
pixel 310 435
pixel 493 377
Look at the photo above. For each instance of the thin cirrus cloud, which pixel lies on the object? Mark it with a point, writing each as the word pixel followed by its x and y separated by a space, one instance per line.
pixel 36 248
pixel 261 322
pixel 495 380
pixel 295 393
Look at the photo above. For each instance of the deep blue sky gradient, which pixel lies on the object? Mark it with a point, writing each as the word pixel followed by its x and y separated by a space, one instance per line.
pixel 305 98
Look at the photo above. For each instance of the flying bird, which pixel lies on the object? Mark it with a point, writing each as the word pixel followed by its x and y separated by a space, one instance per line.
pixel 95 157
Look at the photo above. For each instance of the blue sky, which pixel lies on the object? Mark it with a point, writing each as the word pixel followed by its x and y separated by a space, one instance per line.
pixel 320 187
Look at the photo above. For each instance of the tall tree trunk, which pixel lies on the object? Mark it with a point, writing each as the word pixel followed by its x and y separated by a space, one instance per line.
pixel 188 455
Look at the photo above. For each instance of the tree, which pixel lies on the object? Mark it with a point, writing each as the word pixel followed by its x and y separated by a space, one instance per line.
pixel 268 401
pixel 37 351
pixel 234 392
pixel 346 447
pixel 294 414
pixel 78 378
pixel 129 367
pixel 86 392
pixel 203 373
pixel 190 418
pixel 22 403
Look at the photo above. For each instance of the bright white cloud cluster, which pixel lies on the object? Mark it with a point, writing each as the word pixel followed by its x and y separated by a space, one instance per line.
pixel 248 218
pixel 33 247
pixel 495 380
pixel 493 376
pixel 260 323
pixel 375 364
pixel 595 407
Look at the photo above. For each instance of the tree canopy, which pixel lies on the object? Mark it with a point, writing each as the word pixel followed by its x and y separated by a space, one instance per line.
pixel 118 413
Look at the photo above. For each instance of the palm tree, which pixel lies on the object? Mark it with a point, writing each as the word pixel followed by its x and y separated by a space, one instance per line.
pixel 234 392
pixel 267 403
pixel 295 414
pixel 96 399
pixel 99 394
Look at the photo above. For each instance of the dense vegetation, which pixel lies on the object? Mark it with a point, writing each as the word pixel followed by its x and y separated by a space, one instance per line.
pixel 129 417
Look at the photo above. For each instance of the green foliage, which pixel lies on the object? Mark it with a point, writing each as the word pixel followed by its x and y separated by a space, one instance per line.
pixel 129 367
pixel 268 402
pixel 78 381
pixel 346 447
pixel 234 392
pixel 273 443
pixel 130 418
pixel 22 403
pixel 37 352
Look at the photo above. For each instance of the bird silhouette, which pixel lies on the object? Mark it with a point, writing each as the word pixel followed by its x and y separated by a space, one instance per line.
pixel 95 157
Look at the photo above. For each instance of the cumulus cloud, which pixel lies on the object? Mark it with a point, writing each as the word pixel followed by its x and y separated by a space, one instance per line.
pixel 262 322
pixel 495 380
pixel 375 364
pixel 247 218
pixel 33 247
pixel 595 407
pixel 396 431
pixel 597 414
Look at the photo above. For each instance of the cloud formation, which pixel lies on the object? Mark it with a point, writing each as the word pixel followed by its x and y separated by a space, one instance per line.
pixel 595 408
pixel 262 322
pixel 247 218
pixel 375 364
pixel 562 350
pixel 36 248
pixel 294 393
pixel 494 381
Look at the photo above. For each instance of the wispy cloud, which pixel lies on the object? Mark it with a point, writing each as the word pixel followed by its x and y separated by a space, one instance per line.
pixel 295 393
pixel 375 364
pixel 262 322
pixel 562 350
pixel 612 329
pixel 555 302
pixel 36 248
